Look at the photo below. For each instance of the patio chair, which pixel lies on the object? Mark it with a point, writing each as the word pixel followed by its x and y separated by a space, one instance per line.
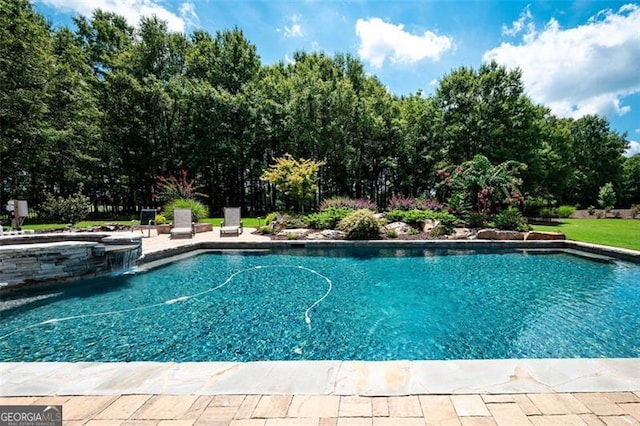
pixel 182 224
pixel 232 224
pixel 147 221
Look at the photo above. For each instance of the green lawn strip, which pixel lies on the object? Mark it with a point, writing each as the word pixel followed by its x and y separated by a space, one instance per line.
pixel 623 233
pixel 84 224
pixel 250 222
pixel 41 226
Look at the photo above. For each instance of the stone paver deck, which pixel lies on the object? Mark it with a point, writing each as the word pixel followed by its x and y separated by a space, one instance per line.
pixel 161 242
pixel 489 392
pixel 617 408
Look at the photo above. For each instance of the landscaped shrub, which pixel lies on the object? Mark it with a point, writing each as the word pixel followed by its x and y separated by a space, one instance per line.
pixel 296 180
pixel 591 210
pixel 198 210
pixel 565 211
pixel 511 219
pixel 607 197
pixel 400 202
pixel 534 205
pixel 266 230
pixel 392 234
pixel 271 217
pixel 548 212
pixel 429 204
pixel 349 203
pixel 481 184
pixel 360 225
pixel 65 210
pixel 172 188
pixel 288 221
pixel 408 216
pixel 458 205
pixel 328 218
pixel 476 220
pixel 160 219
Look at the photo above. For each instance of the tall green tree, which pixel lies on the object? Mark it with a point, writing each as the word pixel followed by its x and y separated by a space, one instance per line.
pixel 631 180
pixel 26 67
pixel 485 112
pixel 597 158
pixel 421 153
pixel 104 39
pixel 73 141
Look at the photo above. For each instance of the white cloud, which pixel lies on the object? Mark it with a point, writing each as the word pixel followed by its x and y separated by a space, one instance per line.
pixel 525 20
pixel 294 29
pixel 381 40
pixel 132 10
pixel 634 148
pixel 188 14
pixel 587 69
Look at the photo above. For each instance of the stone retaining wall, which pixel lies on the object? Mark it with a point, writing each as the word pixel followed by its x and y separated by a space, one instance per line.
pixel 25 261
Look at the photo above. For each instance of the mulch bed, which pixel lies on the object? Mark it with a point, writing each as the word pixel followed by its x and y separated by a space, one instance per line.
pixel 584 214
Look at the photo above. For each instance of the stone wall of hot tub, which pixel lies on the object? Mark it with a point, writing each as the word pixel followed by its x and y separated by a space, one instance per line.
pixel 47 258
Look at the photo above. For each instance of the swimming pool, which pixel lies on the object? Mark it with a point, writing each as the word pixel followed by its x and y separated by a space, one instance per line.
pixel 342 304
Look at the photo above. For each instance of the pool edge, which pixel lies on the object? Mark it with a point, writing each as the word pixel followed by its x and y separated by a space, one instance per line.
pixel 365 378
pixel 615 252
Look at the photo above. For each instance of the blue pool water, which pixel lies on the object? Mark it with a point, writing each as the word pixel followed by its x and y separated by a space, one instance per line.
pixel 356 304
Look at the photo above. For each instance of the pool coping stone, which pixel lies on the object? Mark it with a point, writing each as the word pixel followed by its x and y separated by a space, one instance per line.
pixel 364 378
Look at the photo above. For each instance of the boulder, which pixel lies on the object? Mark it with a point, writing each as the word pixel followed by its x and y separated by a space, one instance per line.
pixel 540 235
pixel 294 231
pixel 400 228
pixel 434 227
pixel 327 234
pixel 497 234
pixel 487 234
pixel 460 234
pixel 332 234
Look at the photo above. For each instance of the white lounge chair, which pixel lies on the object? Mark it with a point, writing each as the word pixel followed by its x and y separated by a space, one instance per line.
pixel 182 224
pixel 232 224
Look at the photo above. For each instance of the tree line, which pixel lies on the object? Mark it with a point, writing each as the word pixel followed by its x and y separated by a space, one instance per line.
pixel 103 109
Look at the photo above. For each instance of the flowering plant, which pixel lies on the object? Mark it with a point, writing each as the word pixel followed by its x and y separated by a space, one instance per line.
pixel 479 183
pixel 171 188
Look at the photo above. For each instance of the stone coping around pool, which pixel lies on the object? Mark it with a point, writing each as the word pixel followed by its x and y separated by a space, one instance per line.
pixel 365 378
pixel 598 250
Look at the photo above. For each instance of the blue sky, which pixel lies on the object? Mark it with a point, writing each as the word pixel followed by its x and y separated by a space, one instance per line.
pixel 577 57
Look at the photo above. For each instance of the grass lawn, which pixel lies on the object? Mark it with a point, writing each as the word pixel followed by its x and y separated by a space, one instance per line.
pixel 85 224
pixel 609 232
pixel 250 222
